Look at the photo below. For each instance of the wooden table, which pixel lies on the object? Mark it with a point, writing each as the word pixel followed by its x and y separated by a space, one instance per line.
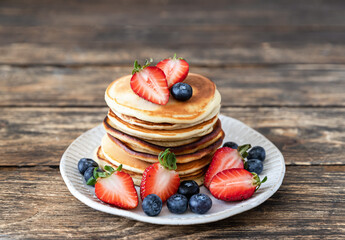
pixel 279 65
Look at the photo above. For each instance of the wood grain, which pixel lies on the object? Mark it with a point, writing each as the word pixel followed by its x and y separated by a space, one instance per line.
pixel 218 32
pixel 32 54
pixel 39 136
pixel 285 85
pixel 36 204
pixel 178 12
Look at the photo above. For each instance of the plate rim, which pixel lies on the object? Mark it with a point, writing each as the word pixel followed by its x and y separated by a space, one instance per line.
pixel 197 219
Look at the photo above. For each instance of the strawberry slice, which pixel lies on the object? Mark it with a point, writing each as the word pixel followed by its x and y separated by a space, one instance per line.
pixel 226 158
pixel 175 69
pixel 150 83
pixel 235 184
pixel 116 188
pixel 161 178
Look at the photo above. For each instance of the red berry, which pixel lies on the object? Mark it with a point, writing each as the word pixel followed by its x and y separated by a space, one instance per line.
pixel 234 184
pixel 224 158
pixel 175 69
pixel 150 83
pixel 117 189
pixel 160 181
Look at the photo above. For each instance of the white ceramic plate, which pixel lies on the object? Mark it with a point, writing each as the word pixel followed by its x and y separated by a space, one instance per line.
pixel 274 169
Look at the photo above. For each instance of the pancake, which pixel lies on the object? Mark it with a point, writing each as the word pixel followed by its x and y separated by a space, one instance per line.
pixel 171 135
pixel 113 146
pixel 120 97
pixel 116 155
pixel 141 145
pixel 99 157
pixel 174 143
pixel 166 126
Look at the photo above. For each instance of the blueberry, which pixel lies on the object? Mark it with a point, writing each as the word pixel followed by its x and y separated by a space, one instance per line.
pixel 89 173
pixel 188 188
pixel 181 91
pixel 230 145
pixel 254 165
pixel 257 152
pixel 177 203
pixel 200 203
pixel 85 163
pixel 152 205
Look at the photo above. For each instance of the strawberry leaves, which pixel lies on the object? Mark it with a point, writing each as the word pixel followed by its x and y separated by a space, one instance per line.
pixel 257 182
pixel 108 171
pixel 138 67
pixel 242 150
pixel 167 159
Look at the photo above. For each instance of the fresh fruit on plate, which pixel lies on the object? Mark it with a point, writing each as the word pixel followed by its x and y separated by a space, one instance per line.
pixel 226 158
pixel 200 203
pixel 177 203
pixel 230 145
pixel 115 187
pixel 152 205
pixel 175 69
pixel 254 165
pixel 85 163
pixel 188 188
pixel 181 91
pixel 257 152
pixel 161 178
pixel 150 83
pixel 235 184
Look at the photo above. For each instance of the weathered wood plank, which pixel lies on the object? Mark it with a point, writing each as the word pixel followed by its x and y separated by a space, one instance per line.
pixel 284 85
pixel 31 54
pixel 180 12
pixel 206 32
pixel 39 136
pixel 170 36
pixel 36 204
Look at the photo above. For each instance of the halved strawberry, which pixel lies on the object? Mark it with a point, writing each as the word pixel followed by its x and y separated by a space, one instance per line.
pixel 161 178
pixel 225 158
pixel 116 188
pixel 235 184
pixel 175 69
pixel 150 83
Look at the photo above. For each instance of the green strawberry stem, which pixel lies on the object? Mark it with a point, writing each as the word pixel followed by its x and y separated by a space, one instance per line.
pixel 167 159
pixel 242 150
pixel 138 67
pixel 108 171
pixel 175 57
pixel 257 182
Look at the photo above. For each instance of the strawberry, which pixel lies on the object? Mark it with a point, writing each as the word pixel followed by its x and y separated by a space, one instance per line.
pixel 150 83
pixel 175 69
pixel 115 187
pixel 235 184
pixel 226 158
pixel 161 178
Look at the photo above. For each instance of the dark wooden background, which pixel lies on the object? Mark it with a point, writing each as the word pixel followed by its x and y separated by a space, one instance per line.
pixel 279 65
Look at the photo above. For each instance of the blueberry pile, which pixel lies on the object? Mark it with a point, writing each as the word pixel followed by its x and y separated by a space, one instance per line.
pixel 188 195
pixel 86 167
pixel 256 157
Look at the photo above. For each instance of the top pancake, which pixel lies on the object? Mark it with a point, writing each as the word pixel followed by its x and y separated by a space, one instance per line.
pixel 120 97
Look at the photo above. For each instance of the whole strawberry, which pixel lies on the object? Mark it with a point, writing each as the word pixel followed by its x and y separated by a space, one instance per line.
pixel 235 184
pixel 161 178
pixel 115 187
pixel 175 69
pixel 226 158
pixel 150 83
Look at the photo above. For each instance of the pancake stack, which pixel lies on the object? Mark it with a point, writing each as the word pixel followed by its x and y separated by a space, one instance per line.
pixel 138 130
